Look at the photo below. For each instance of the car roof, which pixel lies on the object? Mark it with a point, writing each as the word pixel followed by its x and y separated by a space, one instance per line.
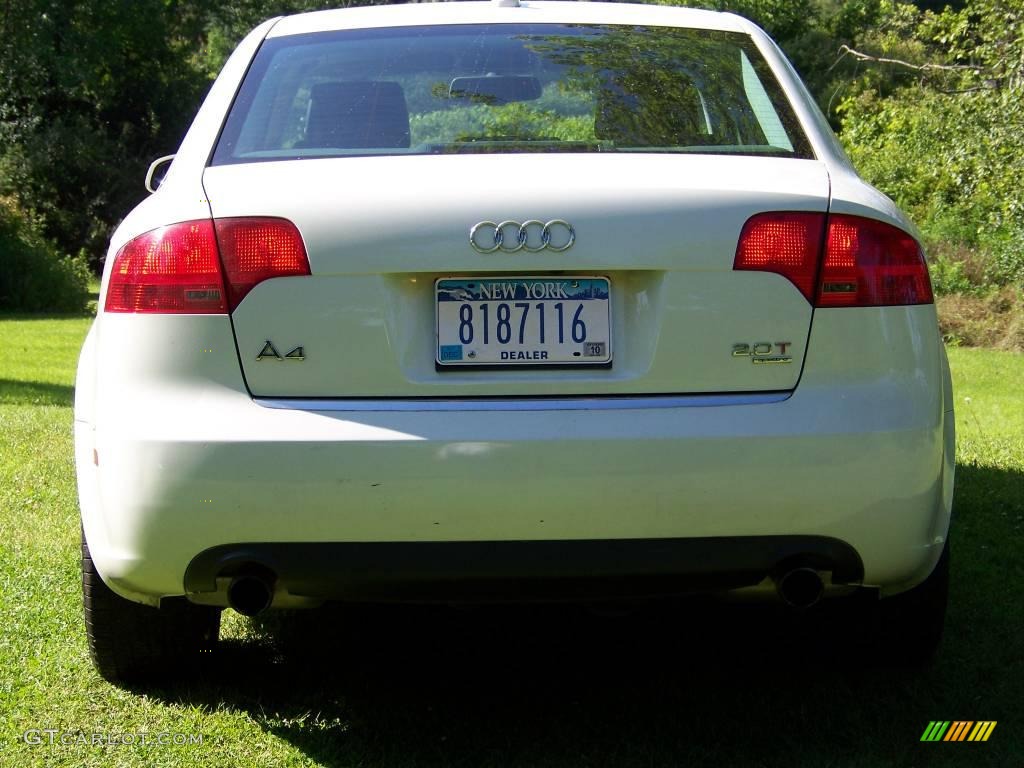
pixel 494 12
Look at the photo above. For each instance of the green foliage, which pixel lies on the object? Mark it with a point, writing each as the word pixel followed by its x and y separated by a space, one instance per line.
pixel 436 119
pixel 810 32
pixel 227 23
pixel 782 20
pixel 948 145
pixel 90 91
pixel 949 276
pixel 33 276
pixel 516 121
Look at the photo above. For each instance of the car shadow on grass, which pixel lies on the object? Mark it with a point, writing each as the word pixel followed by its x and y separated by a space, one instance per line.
pixel 533 686
pixel 16 392
pixel 672 684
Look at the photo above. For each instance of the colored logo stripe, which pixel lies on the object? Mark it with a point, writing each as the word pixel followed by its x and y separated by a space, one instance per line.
pixel 982 730
pixel 935 730
pixel 958 730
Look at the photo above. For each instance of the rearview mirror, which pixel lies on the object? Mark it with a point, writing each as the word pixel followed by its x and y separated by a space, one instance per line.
pixel 495 90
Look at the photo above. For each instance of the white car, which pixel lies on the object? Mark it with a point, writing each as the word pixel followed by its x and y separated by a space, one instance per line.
pixel 543 300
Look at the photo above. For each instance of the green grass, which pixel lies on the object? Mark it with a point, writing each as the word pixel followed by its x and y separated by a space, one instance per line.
pixel 510 687
pixel 989 401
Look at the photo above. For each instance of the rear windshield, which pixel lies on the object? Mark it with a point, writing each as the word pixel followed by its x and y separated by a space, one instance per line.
pixel 509 88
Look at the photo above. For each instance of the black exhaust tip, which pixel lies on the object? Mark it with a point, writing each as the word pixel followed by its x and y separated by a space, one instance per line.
pixel 800 587
pixel 250 593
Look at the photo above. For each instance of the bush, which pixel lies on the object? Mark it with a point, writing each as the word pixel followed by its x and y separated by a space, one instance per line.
pixel 953 162
pixel 33 276
pixel 1008 260
pixel 945 141
pixel 949 276
pixel 995 319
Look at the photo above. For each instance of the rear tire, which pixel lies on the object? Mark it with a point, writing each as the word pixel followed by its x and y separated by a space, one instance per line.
pixel 132 642
pixel 910 624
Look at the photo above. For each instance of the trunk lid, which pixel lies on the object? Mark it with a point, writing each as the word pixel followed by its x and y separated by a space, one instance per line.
pixel 379 231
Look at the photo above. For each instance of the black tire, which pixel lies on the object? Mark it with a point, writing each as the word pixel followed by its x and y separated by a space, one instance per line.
pixel 910 624
pixel 134 643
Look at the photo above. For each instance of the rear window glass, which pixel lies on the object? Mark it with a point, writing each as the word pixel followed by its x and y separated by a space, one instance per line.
pixel 509 88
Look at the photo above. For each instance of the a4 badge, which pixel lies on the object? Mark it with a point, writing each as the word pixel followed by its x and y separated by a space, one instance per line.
pixel 269 352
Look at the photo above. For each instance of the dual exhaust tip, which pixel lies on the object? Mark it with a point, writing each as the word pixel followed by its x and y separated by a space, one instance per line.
pixel 251 591
pixel 800 587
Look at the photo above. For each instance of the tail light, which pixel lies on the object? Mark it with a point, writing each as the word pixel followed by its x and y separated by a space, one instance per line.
pixel 179 269
pixel 864 262
pixel 173 269
pixel 788 244
pixel 255 250
pixel 871 264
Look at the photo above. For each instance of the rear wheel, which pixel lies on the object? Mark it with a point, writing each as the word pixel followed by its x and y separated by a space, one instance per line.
pixel 131 642
pixel 910 624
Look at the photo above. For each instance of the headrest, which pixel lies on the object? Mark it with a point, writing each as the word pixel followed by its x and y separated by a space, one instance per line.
pixel 357 115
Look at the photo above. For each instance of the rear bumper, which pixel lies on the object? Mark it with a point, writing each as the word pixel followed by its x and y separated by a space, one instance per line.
pixel 517 570
pixel 726 471
pixel 862 457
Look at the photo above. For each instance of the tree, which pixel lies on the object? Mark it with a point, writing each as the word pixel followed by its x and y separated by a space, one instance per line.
pixel 89 91
pixel 946 138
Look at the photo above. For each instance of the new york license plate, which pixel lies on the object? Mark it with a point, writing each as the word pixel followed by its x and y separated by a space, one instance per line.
pixel 523 321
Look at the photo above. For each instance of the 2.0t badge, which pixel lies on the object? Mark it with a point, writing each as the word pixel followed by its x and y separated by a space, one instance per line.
pixel 765 352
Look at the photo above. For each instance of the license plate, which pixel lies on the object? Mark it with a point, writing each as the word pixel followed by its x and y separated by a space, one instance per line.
pixel 502 321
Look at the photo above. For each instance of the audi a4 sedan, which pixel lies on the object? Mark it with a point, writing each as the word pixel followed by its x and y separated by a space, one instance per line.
pixel 509 301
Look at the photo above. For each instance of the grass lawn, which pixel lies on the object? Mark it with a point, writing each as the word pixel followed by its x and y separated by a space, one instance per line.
pixel 514 687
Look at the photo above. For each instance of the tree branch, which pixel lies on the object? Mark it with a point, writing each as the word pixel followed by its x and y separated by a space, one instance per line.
pixel 845 50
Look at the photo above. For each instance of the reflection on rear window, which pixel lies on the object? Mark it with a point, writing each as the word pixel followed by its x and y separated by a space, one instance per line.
pixel 509 88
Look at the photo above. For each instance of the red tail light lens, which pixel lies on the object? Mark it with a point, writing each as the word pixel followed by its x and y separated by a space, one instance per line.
pixel 871 264
pixel 173 269
pixel 255 250
pixel 788 244
pixel 177 269
pixel 864 262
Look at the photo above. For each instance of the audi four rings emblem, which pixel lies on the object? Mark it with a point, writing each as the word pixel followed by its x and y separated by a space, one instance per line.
pixel 533 235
